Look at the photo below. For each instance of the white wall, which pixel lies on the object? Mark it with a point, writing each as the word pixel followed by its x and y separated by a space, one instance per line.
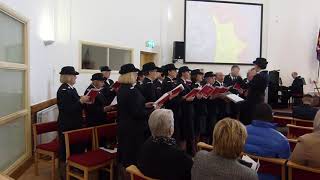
pixel 116 22
pixel 290 29
pixel 289 39
pixel 43 60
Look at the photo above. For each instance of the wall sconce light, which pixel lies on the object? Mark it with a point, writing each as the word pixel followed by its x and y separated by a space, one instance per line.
pixel 47 27
pixel 48 42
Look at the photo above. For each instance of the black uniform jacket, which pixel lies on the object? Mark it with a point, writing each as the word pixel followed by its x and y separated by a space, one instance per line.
pixel 70 108
pixel 148 90
pixel 165 161
pixel 132 123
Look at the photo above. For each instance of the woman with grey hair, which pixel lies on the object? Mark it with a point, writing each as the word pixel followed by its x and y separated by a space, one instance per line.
pixel 306 151
pixel 160 157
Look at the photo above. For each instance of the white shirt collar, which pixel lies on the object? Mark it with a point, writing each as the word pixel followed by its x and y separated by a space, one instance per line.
pixel 71 86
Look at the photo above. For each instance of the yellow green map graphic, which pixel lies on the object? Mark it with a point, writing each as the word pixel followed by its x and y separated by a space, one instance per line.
pixel 229 46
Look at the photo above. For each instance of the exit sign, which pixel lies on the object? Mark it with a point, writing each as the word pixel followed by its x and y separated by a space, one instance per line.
pixel 150 44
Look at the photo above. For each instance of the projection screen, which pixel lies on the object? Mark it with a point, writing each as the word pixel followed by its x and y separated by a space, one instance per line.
pixel 222 32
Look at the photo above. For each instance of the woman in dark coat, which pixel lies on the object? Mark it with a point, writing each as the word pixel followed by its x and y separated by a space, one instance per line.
pixel 70 110
pixel 200 106
pixel 187 112
pixel 256 91
pixel 132 116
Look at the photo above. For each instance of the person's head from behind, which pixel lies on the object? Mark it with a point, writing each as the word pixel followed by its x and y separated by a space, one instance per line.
pixel 316 122
pixel 219 77
pixel 229 138
pixel 68 75
pixel 263 112
pixel 294 75
pixel 235 70
pixel 307 99
pixel 161 123
pixel 260 64
pixel 128 74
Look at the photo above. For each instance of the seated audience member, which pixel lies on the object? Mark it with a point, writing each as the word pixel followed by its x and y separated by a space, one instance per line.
pixel 229 137
pixel 160 157
pixel 305 111
pixel 306 151
pixel 263 139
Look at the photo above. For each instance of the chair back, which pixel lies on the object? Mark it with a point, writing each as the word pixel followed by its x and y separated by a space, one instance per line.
pixel 112 116
pixel 282 121
pixel 41 128
pixel 297 172
pixel 296 131
pixel 292 143
pixel 83 136
pixel 107 132
pixel 135 173
pixel 204 146
pixel 273 166
pixel 302 122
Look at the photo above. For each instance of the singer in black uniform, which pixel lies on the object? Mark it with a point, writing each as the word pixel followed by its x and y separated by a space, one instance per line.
pixel 222 107
pixel 148 88
pixel 256 90
pixel 211 120
pixel 158 82
pixel 168 84
pixel 70 111
pixel 106 71
pixel 187 112
pixel 95 114
pixel 132 116
pixel 200 106
pixel 109 93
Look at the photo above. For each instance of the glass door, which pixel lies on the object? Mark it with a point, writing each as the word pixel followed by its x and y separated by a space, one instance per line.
pixel 15 125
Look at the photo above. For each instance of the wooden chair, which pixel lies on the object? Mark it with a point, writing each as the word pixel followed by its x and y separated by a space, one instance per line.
pixel 50 149
pixel 274 166
pixel 5 177
pixel 204 146
pixel 302 122
pixel 282 121
pixel 88 161
pixel 112 116
pixel 107 133
pixel 297 172
pixel 296 131
pixel 135 174
pixel 293 143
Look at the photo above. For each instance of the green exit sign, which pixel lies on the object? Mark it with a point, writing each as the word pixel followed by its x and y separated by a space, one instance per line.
pixel 150 44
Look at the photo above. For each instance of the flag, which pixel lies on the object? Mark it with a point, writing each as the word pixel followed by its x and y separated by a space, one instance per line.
pixel 318 47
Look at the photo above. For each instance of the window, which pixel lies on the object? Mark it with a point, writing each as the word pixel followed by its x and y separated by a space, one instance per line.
pixel 15 134
pixel 93 56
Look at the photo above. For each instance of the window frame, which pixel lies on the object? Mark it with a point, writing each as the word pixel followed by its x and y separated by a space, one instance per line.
pixel 107 46
pixel 25 68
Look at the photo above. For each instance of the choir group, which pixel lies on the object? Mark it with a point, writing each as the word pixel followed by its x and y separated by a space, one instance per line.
pixel 136 94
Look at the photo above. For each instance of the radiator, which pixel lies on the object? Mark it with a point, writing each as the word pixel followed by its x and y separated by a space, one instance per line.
pixel 47 115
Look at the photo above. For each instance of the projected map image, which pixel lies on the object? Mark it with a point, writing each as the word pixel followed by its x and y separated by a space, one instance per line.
pixel 222 32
